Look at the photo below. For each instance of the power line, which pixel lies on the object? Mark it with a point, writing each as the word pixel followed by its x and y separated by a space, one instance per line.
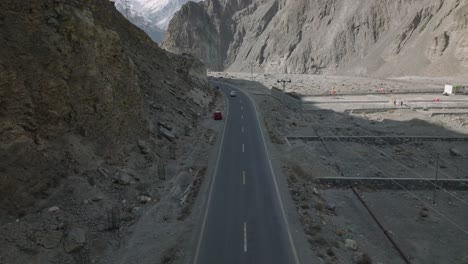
pixel 403 165
pixel 422 162
pixel 402 187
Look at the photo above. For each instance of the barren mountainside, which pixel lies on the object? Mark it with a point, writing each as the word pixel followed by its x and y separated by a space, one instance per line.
pixel 152 16
pixel 139 20
pixel 83 94
pixel 379 38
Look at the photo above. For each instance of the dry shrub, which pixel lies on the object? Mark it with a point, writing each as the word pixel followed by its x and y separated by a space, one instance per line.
pixel 313 229
pixel 340 232
pixel 365 259
pixel 274 138
pixel 170 255
pixel 319 206
pixel 299 171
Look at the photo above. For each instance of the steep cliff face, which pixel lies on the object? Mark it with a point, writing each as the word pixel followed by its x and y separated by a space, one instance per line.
pixel 205 30
pixel 386 37
pixel 141 21
pixel 153 16
pixel 79 86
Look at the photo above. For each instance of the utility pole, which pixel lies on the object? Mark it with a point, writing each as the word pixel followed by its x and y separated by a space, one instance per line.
pixel 284 82
pixel 435 182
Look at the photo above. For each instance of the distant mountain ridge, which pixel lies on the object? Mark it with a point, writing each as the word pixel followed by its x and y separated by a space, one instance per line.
pixel 359 37
pixel 153 16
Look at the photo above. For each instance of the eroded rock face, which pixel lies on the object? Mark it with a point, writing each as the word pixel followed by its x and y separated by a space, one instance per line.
pixel 65 71
pixel 205 30
pixel 76 84
pixel 386 37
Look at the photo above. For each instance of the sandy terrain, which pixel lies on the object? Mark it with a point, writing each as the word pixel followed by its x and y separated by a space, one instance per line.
pixel 339 227
pixel 322 84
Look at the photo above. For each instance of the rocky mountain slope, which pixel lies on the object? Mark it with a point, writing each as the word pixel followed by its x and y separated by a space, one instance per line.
pixel 88 104
pixel 159 11
pixel 153 16
pixel 141 21
pixel 380 38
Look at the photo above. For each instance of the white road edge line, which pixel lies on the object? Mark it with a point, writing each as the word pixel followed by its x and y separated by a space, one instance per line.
pixel 245 237
pixel 291 242
pixel 197 252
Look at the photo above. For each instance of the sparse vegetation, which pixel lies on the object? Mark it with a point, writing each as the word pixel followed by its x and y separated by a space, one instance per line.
pixel 365 259
pixel 170 255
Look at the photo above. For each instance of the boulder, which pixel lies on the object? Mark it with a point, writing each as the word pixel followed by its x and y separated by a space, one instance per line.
pixel 166 133
pixel 331 207
pixel 144 147
pixel 52 21
pixel 144 199
pixel 123 179
pixel 455 152
pixel 98 197
pixel 351 244
pixel 74 240
pixel 162 124
pixel 315 191
pixel 49 240
pixel 54 209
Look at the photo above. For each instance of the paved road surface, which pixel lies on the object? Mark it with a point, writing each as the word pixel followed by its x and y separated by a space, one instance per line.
pixel 244 220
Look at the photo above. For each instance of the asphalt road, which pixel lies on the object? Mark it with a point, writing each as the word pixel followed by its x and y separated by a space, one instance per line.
pixel 244 218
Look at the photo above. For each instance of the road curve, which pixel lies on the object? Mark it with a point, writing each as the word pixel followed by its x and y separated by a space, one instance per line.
pixel 244 219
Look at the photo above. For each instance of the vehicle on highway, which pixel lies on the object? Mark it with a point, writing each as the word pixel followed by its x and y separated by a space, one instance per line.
pixel 218 115
pixel 233 94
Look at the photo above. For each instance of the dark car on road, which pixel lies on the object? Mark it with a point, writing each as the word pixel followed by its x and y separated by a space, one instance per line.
pixel 218 115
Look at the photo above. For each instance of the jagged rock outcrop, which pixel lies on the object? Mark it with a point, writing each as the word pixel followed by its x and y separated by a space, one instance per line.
pixel 153 16
pixel 205 30
pixel 141 21
pixel 388 37
pixel 79 86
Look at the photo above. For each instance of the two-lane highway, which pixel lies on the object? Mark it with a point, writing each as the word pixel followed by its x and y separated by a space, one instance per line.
pixel 244 221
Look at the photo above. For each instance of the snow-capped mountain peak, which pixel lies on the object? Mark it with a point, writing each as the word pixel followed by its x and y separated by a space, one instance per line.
pixel 160 12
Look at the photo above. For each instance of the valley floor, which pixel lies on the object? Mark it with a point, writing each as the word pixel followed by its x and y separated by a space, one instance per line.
pixel 348 223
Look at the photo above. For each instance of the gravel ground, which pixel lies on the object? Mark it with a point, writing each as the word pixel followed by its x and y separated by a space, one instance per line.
pixel 338 226
pixel 153 220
